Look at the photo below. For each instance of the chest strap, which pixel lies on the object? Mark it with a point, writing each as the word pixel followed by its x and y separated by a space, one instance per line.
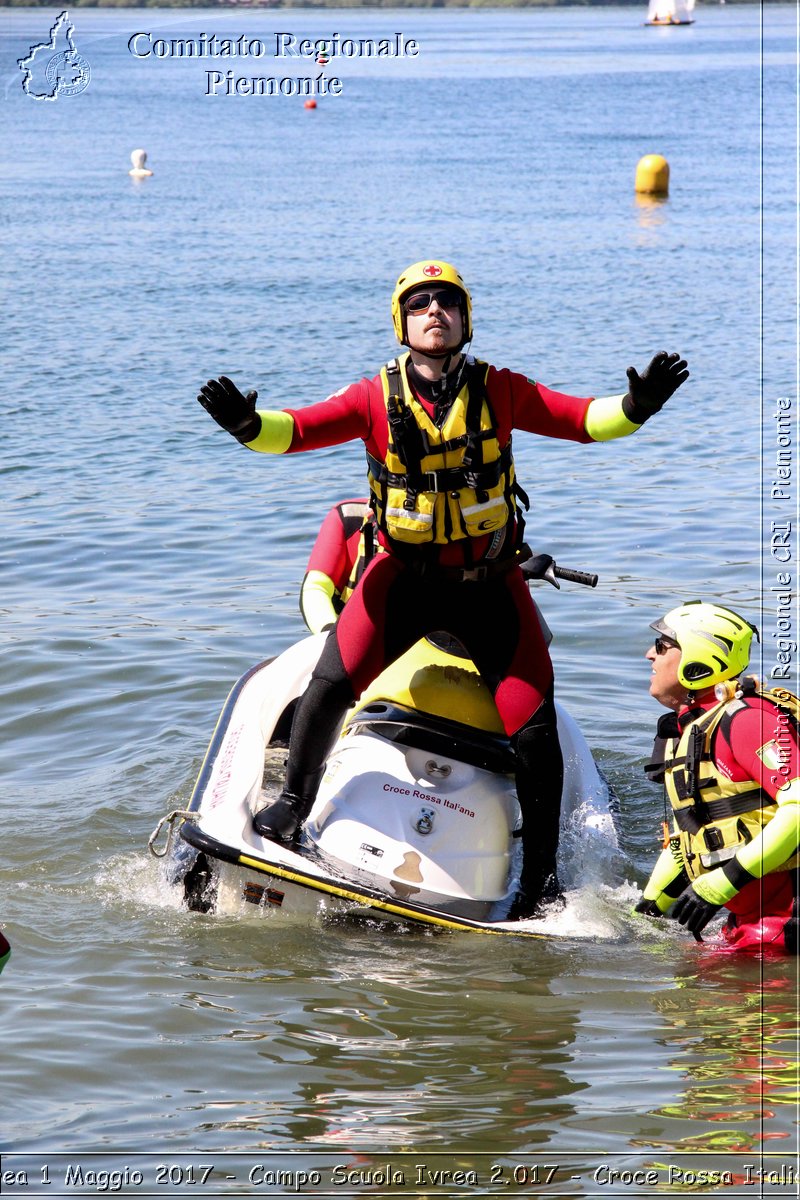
pixel 694 818
pixel 445 479
pixel 687 780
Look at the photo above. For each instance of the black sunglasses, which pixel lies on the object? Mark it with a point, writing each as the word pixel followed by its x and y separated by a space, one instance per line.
pixel 662 645
pixel 421 301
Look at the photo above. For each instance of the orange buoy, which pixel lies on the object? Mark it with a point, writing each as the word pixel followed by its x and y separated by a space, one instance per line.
pixel 309 104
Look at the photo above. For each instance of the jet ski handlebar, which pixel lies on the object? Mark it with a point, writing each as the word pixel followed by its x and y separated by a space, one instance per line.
pixel 544 566
pixel 583 577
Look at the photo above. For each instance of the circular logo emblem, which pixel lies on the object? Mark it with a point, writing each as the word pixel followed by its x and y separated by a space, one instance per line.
pixel 424 821
pixel 68 72
pixel 432 271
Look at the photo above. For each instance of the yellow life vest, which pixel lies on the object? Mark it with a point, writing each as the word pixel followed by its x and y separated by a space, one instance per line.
pixel 714 816
pixel 441 483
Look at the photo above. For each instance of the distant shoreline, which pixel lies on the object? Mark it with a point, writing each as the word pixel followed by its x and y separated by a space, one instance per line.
pixel 283 5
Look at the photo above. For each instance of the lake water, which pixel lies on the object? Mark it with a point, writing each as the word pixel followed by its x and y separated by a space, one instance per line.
pixel 148 561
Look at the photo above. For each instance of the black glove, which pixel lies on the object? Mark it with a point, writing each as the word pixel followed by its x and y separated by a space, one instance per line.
pixel 651 390
pixel 234 412
pixel 649 908
pixel 693 911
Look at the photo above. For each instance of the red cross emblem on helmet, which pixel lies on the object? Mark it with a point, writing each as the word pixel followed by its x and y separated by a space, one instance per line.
pixel 432 270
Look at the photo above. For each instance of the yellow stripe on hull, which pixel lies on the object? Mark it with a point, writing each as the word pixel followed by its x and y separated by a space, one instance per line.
pixel 397 910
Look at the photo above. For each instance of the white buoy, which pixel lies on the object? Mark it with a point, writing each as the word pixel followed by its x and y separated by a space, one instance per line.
pixel 139 170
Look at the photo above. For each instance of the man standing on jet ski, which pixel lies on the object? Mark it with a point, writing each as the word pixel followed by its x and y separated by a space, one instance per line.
pixel 729 758
pixel 437 428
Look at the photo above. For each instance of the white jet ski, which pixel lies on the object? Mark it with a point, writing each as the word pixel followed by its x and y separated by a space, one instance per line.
pixel 416 815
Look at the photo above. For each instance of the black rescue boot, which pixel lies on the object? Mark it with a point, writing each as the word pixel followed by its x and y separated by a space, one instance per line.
pixel 316 722
pixel 280 821
pixel 540 779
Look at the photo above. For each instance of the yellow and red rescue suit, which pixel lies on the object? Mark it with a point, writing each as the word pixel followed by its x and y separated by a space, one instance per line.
pixel 384 616
pixel 345 545
pixel 731 772
pixel 443 489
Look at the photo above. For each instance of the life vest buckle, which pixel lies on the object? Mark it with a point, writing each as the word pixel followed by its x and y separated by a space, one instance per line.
pixel 713 837
pixel 474 574
pixel 430 482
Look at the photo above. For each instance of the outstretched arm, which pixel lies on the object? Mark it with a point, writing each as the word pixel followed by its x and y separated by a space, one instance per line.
pixel 270 432
pixel 610 417
pixel 341 418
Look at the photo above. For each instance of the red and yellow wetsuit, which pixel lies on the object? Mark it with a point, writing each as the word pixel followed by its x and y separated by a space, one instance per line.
pixel 396 603
pixel 337 561
pixel 748 820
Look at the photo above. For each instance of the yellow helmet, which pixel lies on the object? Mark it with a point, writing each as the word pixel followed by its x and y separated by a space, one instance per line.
pixel 430 270
pixel 714 642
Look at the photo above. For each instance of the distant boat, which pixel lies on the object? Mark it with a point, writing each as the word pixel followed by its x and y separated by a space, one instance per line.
pixel 670 12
